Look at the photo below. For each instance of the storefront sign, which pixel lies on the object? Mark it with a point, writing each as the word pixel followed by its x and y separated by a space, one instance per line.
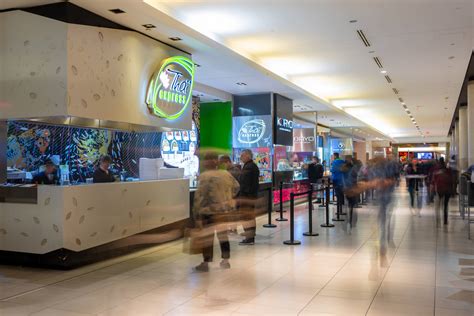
pixel 304 140
pixel 343 146
pixel 252 131
pixel 170 89
pixel 283 123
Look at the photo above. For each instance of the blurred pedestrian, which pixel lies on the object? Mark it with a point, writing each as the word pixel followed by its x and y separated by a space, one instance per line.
pixel 350 172
pixel 411 173
pixel 443 181
pixel 214 202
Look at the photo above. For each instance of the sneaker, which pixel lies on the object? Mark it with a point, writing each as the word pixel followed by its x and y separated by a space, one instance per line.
pixel 225 264
pixel 203 267
pixel 247 241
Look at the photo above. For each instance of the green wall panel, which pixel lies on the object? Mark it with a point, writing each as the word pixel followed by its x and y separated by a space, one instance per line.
pixel 216 126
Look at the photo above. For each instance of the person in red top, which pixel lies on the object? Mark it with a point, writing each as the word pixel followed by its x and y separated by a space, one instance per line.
pixel 443 181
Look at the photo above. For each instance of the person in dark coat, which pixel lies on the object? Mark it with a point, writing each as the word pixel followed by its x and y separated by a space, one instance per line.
pixel 102 174
pixel 315 171
pixel 249 183
pixel 49 176
pixel 443 180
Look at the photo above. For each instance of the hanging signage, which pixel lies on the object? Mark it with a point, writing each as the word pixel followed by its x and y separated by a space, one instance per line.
pixel 252 131
pixel 304 140
pixel 283 123
pixel 170 89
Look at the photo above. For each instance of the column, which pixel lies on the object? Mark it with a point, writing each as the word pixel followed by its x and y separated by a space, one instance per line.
pixel 470 123
pixel 463 141
pixel 456 140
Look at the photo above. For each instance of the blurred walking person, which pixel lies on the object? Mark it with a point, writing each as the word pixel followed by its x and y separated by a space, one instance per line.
pixel 214 203
pixel 443 181
pixel 350 172
pixel 411 173
pixel 315 174
pixel 249 183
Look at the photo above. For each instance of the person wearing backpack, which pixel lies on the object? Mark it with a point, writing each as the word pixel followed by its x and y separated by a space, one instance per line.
pixel 443 181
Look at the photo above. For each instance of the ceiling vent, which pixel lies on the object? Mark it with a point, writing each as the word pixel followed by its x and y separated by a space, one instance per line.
pixel 389 80
pixel 378 62
pixel 363 38
pixel 404 106
pixel 395 90
pixel 400 99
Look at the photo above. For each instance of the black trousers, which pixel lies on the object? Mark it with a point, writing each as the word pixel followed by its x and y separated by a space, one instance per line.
pixel 444 198
pixel 247 211
pixel 340 197
pixel 208 249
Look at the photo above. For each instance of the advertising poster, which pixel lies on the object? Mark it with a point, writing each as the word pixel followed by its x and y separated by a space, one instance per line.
pixel 304 140
pixel 283 126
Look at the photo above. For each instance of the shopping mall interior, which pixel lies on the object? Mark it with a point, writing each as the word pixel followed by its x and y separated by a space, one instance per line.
pixel 237 157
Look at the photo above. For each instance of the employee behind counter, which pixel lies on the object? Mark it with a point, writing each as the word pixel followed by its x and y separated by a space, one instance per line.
pixel 102 174
pixel 49 175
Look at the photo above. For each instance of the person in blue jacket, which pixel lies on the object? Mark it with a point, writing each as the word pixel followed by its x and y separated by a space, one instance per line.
pixel 338 180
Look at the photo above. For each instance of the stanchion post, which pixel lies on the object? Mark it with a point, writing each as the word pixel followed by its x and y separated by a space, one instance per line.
pixel 292 240
pixel 338 210
pixel 281 219
pixel 327 224
pixel 310 214
pixel 270 209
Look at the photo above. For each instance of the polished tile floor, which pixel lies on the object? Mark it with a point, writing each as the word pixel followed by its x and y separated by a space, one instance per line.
pixel 427 270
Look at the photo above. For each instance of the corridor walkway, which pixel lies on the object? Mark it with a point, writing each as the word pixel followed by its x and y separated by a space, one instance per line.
pixel 427 271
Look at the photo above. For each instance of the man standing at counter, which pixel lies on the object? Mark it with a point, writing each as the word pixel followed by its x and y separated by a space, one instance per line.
pixel 102 174
pixel 249 182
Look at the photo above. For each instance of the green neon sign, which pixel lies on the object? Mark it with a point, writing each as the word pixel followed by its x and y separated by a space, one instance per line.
pixel 170 89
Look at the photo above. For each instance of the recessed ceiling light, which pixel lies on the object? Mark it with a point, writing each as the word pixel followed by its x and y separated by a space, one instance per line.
pixel 148 26
pixel 117 11
pixel 451 57
pixel 197 65
pixel 383 71
pixel 353 21
pixel 175 38
pixel 241 83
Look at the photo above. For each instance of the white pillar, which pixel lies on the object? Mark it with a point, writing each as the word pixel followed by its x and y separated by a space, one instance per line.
pixel 463 140
pixel 470 123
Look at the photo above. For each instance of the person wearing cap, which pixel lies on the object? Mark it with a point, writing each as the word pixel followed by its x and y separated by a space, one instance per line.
pixel 102 174
pixel 49 176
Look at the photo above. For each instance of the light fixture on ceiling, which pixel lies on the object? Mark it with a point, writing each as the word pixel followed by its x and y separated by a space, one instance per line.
pixel 389 80
pixel 175 38
pixel 383 71
pixel 353 21
pixel 197 65
pixel 241 84
pixel 149 26
pixel 117 11
pixel 451 57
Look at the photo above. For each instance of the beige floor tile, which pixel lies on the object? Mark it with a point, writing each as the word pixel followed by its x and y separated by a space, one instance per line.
pixel 338 306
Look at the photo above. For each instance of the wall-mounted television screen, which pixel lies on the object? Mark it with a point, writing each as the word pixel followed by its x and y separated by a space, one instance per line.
pixel 424 156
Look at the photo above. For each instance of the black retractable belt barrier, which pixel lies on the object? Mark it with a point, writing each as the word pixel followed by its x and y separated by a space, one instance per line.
pixel 327 224
pixel 270 209
pixel 310 213
pixel 281 219
pixel 292 240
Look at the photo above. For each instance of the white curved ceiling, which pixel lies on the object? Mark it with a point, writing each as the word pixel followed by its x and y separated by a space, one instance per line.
pixel 424 45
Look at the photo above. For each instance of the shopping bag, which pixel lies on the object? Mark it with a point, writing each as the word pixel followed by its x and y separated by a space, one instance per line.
pixel 193 241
